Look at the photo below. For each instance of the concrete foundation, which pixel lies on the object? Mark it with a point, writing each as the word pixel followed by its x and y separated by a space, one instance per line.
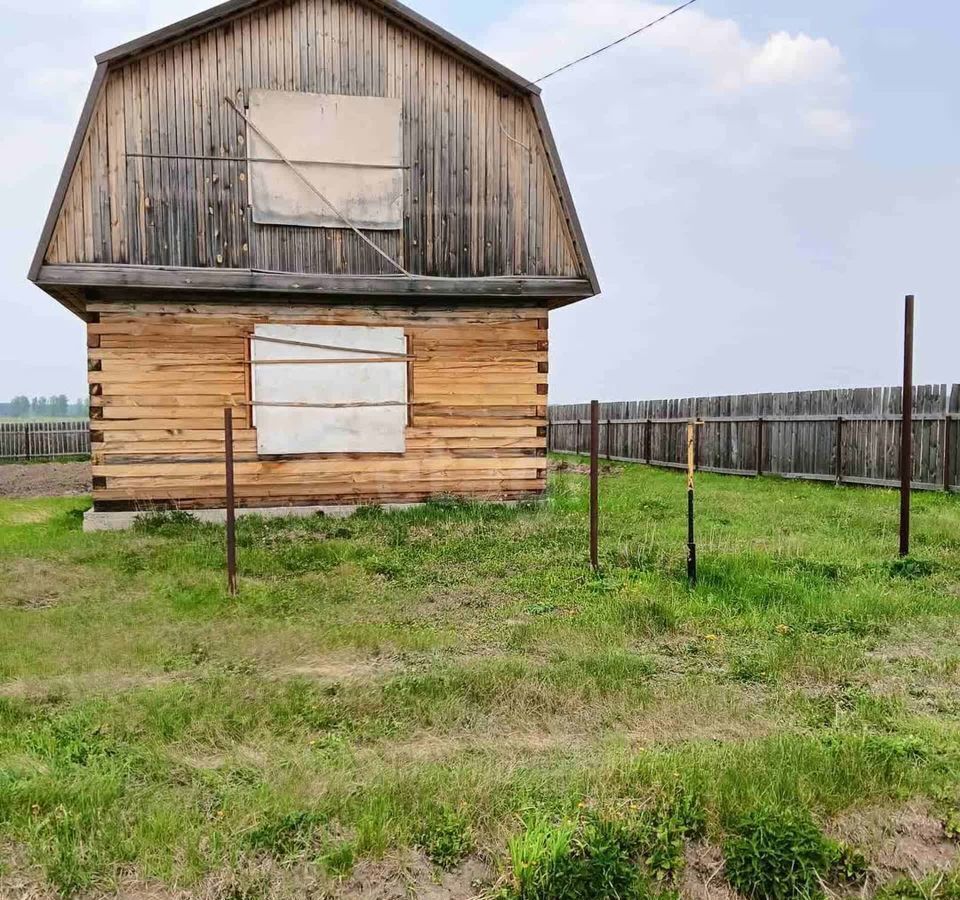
pixel 120 521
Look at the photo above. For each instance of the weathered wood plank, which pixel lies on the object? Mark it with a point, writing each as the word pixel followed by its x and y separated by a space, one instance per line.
pixel 470 197
pixel 159 398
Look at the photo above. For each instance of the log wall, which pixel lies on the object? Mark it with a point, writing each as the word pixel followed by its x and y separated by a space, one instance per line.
pixel 161 375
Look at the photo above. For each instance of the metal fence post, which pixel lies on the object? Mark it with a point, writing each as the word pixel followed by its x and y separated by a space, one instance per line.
pixel 231 502
pixel 947 450
pixel 838 465
pixel 594 484
pixel 759 446
pixel 906 434
pixel 691 535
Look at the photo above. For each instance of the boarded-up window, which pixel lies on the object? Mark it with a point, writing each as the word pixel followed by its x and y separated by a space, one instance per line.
pixel 350 148
pixel 287 396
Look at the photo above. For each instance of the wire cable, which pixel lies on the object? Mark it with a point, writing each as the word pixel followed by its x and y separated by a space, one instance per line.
pixel 626 37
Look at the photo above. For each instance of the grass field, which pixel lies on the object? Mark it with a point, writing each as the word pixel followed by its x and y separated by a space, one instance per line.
pixel 446 701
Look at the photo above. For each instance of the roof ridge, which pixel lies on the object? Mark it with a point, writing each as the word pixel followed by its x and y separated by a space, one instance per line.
pixel 209 18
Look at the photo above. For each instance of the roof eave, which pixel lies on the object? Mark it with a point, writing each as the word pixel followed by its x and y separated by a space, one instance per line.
pixel 239 283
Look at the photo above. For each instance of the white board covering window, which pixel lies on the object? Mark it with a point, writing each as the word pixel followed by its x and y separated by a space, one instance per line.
pixel 288 396
pixel 349 148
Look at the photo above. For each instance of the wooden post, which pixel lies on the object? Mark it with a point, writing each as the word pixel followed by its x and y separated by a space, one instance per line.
pixel 648 441
pixel 759 446
pixel 838 465
pixel 594 484
pixel 906 433
pixel 691 537
pixel 231 503
pixel 26 440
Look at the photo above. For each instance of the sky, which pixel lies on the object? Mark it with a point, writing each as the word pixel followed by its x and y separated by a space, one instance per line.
pixel 760 183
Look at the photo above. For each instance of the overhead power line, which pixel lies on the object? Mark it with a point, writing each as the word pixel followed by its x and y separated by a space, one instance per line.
pixel 626 37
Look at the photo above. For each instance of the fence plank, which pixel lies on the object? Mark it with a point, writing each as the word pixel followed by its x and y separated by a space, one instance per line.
pixel 44 440
pixel 802 433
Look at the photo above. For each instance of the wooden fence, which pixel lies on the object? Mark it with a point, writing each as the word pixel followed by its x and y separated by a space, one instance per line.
pixel 848 436
pixel 44 440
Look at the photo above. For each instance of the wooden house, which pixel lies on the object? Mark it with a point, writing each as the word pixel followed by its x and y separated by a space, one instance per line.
pixel 335 218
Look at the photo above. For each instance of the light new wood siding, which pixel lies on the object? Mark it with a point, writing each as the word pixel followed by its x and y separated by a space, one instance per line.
pixel 480 195
pixel 161 374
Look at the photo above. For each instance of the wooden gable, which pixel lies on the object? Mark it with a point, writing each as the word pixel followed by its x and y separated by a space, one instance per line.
pixel 159 173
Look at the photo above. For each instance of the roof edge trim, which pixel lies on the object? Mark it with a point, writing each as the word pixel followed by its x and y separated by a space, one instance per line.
pixel 63 185
pixel 209 17
pixel 566 196
pixel 247 281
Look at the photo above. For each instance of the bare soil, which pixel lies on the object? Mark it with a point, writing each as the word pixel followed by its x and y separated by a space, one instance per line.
pixel 905 841
pixel 703 874
pixel 45 479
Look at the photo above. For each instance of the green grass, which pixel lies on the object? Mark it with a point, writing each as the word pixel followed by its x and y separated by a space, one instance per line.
pixel 454 679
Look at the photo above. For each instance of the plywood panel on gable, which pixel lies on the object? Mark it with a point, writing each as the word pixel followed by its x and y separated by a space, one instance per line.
pixel 163 177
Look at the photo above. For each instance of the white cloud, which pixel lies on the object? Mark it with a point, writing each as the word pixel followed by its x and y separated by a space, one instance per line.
pixel 784 59
pixel 784 89
pixel 719 188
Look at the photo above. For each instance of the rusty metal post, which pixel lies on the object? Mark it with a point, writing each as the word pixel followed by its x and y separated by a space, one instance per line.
pixel 759 446
pixel 906 432
pixel 691 536
pixel 838 465
pixel 231 503
pixel 947 451
pixel 594 484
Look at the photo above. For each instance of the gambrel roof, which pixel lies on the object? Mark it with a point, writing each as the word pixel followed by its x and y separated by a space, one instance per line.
pixel 547 258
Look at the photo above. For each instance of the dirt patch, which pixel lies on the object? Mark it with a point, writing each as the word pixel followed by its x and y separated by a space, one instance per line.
pixel 39 584
pixel 703 874
pixel 671 719
pixel 909 840
pixel 337 668
pixel 415 877
pixel 19 880
pixel 409 877
pixel 45 480
pixel 89 683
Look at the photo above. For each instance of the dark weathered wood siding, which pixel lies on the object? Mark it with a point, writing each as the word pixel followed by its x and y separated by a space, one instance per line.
pixel 480 195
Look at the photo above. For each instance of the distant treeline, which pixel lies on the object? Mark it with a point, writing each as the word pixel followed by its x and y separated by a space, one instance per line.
pixel 57 406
